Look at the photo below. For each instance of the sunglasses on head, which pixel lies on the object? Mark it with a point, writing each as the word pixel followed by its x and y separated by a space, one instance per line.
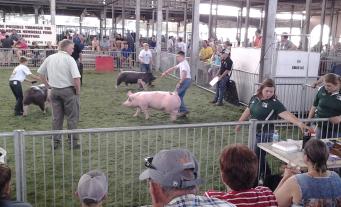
pixel 148 162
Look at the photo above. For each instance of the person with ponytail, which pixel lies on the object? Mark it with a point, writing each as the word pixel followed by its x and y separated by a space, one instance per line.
pixel 317 187
pixel 327 104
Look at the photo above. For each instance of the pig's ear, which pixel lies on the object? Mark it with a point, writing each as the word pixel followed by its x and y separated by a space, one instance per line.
pixel 129 93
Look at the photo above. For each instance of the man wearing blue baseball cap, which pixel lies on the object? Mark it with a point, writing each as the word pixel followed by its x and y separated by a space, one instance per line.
pixel 173 177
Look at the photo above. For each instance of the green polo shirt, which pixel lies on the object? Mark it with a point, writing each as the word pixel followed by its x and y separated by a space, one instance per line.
pixel 327 105
pixel 260 110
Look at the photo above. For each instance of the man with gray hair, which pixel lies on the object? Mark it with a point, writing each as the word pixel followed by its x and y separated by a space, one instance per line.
pixel 60 72
pixel 92 189
pixel 173 177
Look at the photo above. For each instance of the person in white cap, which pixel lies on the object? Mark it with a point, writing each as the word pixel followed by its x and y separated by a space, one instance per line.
pixel 92 189
pixel 173 177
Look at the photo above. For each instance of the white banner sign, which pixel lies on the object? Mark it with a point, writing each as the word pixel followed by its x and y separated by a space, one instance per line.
pixel 246 59
pixel 33 33
pixel 296 64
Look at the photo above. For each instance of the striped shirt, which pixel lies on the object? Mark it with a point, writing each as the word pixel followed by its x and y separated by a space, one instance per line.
pixel 255 197
pixel 192 200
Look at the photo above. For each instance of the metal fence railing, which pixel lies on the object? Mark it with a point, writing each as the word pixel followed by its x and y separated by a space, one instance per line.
pixel 121 60
pixel 48 177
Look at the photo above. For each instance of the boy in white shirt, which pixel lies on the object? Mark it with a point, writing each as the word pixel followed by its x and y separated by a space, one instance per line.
pixel 184 82
pixel 145 58
pixel 19 75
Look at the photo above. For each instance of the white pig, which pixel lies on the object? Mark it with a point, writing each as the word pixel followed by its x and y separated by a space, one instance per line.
pixel 160 100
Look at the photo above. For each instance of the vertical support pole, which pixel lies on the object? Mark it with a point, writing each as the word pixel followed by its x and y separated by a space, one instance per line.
pixel 210 26
pixel 113 22
pixel 105 20
pixel 123 17
pixel 153 22
pixel 53 11
pixel 331 23
pixel 261 19
pixel 305 40
pixel 216 19
pixel 177 29
pixel 291 19
pixel 265 70
pixel 80 23
pixel 20 166
pixel 167 19
pixel 148 28
pixel 36 14
pixel 101 25
pixel 195 39
pixel 246 39
pixel 158 34
pixel 137 25
pixel 185 23
pixel 322 20
pixel 252 134
pixel 336 23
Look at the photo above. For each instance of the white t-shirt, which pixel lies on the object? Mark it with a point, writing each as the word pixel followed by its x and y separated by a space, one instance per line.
pixel 20 72
pixel 170 43
pixel 182 47
pixel 146 56
pixel 184 66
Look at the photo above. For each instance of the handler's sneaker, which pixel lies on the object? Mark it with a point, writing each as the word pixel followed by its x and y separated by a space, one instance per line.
pixel 183 114
pixel 219 104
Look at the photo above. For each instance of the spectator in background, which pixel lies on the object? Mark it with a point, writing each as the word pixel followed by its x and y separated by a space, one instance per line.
pixel 2 36
pixel 126 55
pixel 317 187
pixel 257 39
pixel 152 42
pixel 95 44
pixel 7 44
pixel 21 47
pixel 173 178
pixel 105 44
pixel 206 52
pixel 35 53
pixel 327 104
pixel 238 170
pixel 92 189
pixel 170 44
pixel 227 45
pixel 14 35
pixel 5 189
pixel 181 46
pixel 77 54
pixel 286 44
pixel 216 62
pixel 119 37
pixel 49 49
pixel 145 58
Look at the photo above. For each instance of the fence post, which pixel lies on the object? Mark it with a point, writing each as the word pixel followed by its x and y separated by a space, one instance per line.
pixel 20 171
pixel 252 133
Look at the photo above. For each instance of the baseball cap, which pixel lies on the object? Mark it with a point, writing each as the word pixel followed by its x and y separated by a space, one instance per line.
pixel 176 168
pixel 226 51
pixel 93 185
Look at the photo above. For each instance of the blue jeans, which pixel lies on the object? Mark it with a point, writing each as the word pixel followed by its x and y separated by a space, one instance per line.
pixel 328 132
pixel 182 91
pixel 263 137
pixel 145 68
pixel 220 89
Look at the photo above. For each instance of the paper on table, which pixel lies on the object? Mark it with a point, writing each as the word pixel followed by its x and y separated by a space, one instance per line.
pixel 214 81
